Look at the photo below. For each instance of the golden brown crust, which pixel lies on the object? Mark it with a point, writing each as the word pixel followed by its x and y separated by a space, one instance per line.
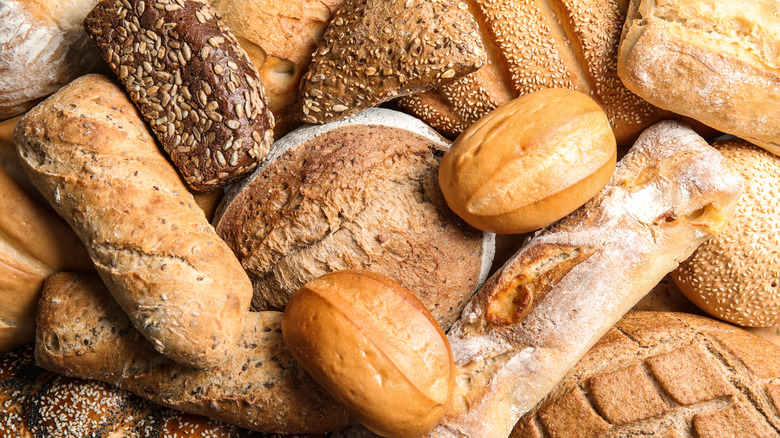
pixel 664 374
pixel 83 333
pixel 87 150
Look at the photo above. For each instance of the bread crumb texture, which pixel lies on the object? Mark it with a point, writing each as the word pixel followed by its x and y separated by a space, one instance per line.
pixel 665 374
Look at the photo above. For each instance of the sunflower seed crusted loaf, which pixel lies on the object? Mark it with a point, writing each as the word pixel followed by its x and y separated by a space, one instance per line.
pixel 192 82
pixel 665 374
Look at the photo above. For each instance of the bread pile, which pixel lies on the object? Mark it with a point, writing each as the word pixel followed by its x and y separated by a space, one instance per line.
pixel 340 286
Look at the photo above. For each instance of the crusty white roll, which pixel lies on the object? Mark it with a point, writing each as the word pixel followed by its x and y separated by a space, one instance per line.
pixel 42 47
pixel 90 154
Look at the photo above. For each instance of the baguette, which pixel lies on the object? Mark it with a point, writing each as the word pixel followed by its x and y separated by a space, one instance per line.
pixel 82 332
pixel 539 313
pixel 87 150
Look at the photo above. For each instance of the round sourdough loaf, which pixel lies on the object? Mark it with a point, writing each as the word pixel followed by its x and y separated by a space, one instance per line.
pixel 360 193
pixel 665 374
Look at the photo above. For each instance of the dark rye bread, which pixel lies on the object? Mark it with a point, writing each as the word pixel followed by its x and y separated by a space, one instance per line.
pixel 360 193
pixel 38 403
pixel 665 374
pixel 83 333
pixel 192 82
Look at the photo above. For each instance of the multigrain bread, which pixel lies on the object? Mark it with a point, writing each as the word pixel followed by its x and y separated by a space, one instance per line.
pixel 735 276
pixel 38 403
pixel 376 50
pixel 533 45
pixel 192 82
pixel 360 193
pixel 280 38
pixel 82 332
pixel 90 154
pixel 42 47
pixel 662 374
pixel 716 62
pixel 538 314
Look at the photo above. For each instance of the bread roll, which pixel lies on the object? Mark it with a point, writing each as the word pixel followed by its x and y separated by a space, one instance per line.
pixel 665 375
pixel 360 193
pixel 192 82
pixel 714 62
pixel 82 332
pixel 375 347
pixel 42 47
pixel 734 276
pixel 35 402
pixel 539 314
pixel 535 45
pixel 279 36
pixel 529 162
pixel 90 154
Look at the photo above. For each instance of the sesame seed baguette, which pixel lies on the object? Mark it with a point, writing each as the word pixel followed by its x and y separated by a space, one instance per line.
pixel 533 45
pixel 90 154
pixel 540 312
pixel 82 332
pixel 192 82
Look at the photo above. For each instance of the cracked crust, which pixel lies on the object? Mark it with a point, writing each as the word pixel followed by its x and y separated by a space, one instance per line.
pixel 88 151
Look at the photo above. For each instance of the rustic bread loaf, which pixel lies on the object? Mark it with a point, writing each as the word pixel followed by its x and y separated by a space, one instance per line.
pixel 39 403
pixel 82 332
pixel 734 276
pixel 717 63
pixel 376 50
pixel 538 314
pixel 192 82
pixel 90 154
pixel 535 45
pixel 360 193
pixel 280 38
pixel 665 375
pixel 42 47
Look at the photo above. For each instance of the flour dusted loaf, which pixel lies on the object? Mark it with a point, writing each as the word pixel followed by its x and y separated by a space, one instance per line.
pixel 192 82
pixel 534 45
pixel 714 61
pixel 663 374
pixel 360 193
pixel 90 154
pixel 539 313
pixel 83 333
pixel 42 47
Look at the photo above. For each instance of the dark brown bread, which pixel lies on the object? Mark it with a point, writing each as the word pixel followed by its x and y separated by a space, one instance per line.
pixel 665 374
pixel 38 403
pixel 192 82
pixel 82 332
pixel 360 193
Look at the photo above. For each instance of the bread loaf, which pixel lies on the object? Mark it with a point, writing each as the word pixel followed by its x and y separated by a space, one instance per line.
pixel 42 47
pixel 714 62
pixel 360 193
pixel 83 333
pixel 90 154
pixel 38 403
pixel 665 375
pixel 537 316
pixel 192 82
pixel 534 45
pixel 279 37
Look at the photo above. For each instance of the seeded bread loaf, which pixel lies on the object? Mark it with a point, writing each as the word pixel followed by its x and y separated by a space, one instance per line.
pixel 716 62
pixel 664 374
pixel 42 47
pixel 538 314
pixel 38 403
pixel 192 82
pixel 82 332
pixel 360 193
pixel 534 45
pixel 90 154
